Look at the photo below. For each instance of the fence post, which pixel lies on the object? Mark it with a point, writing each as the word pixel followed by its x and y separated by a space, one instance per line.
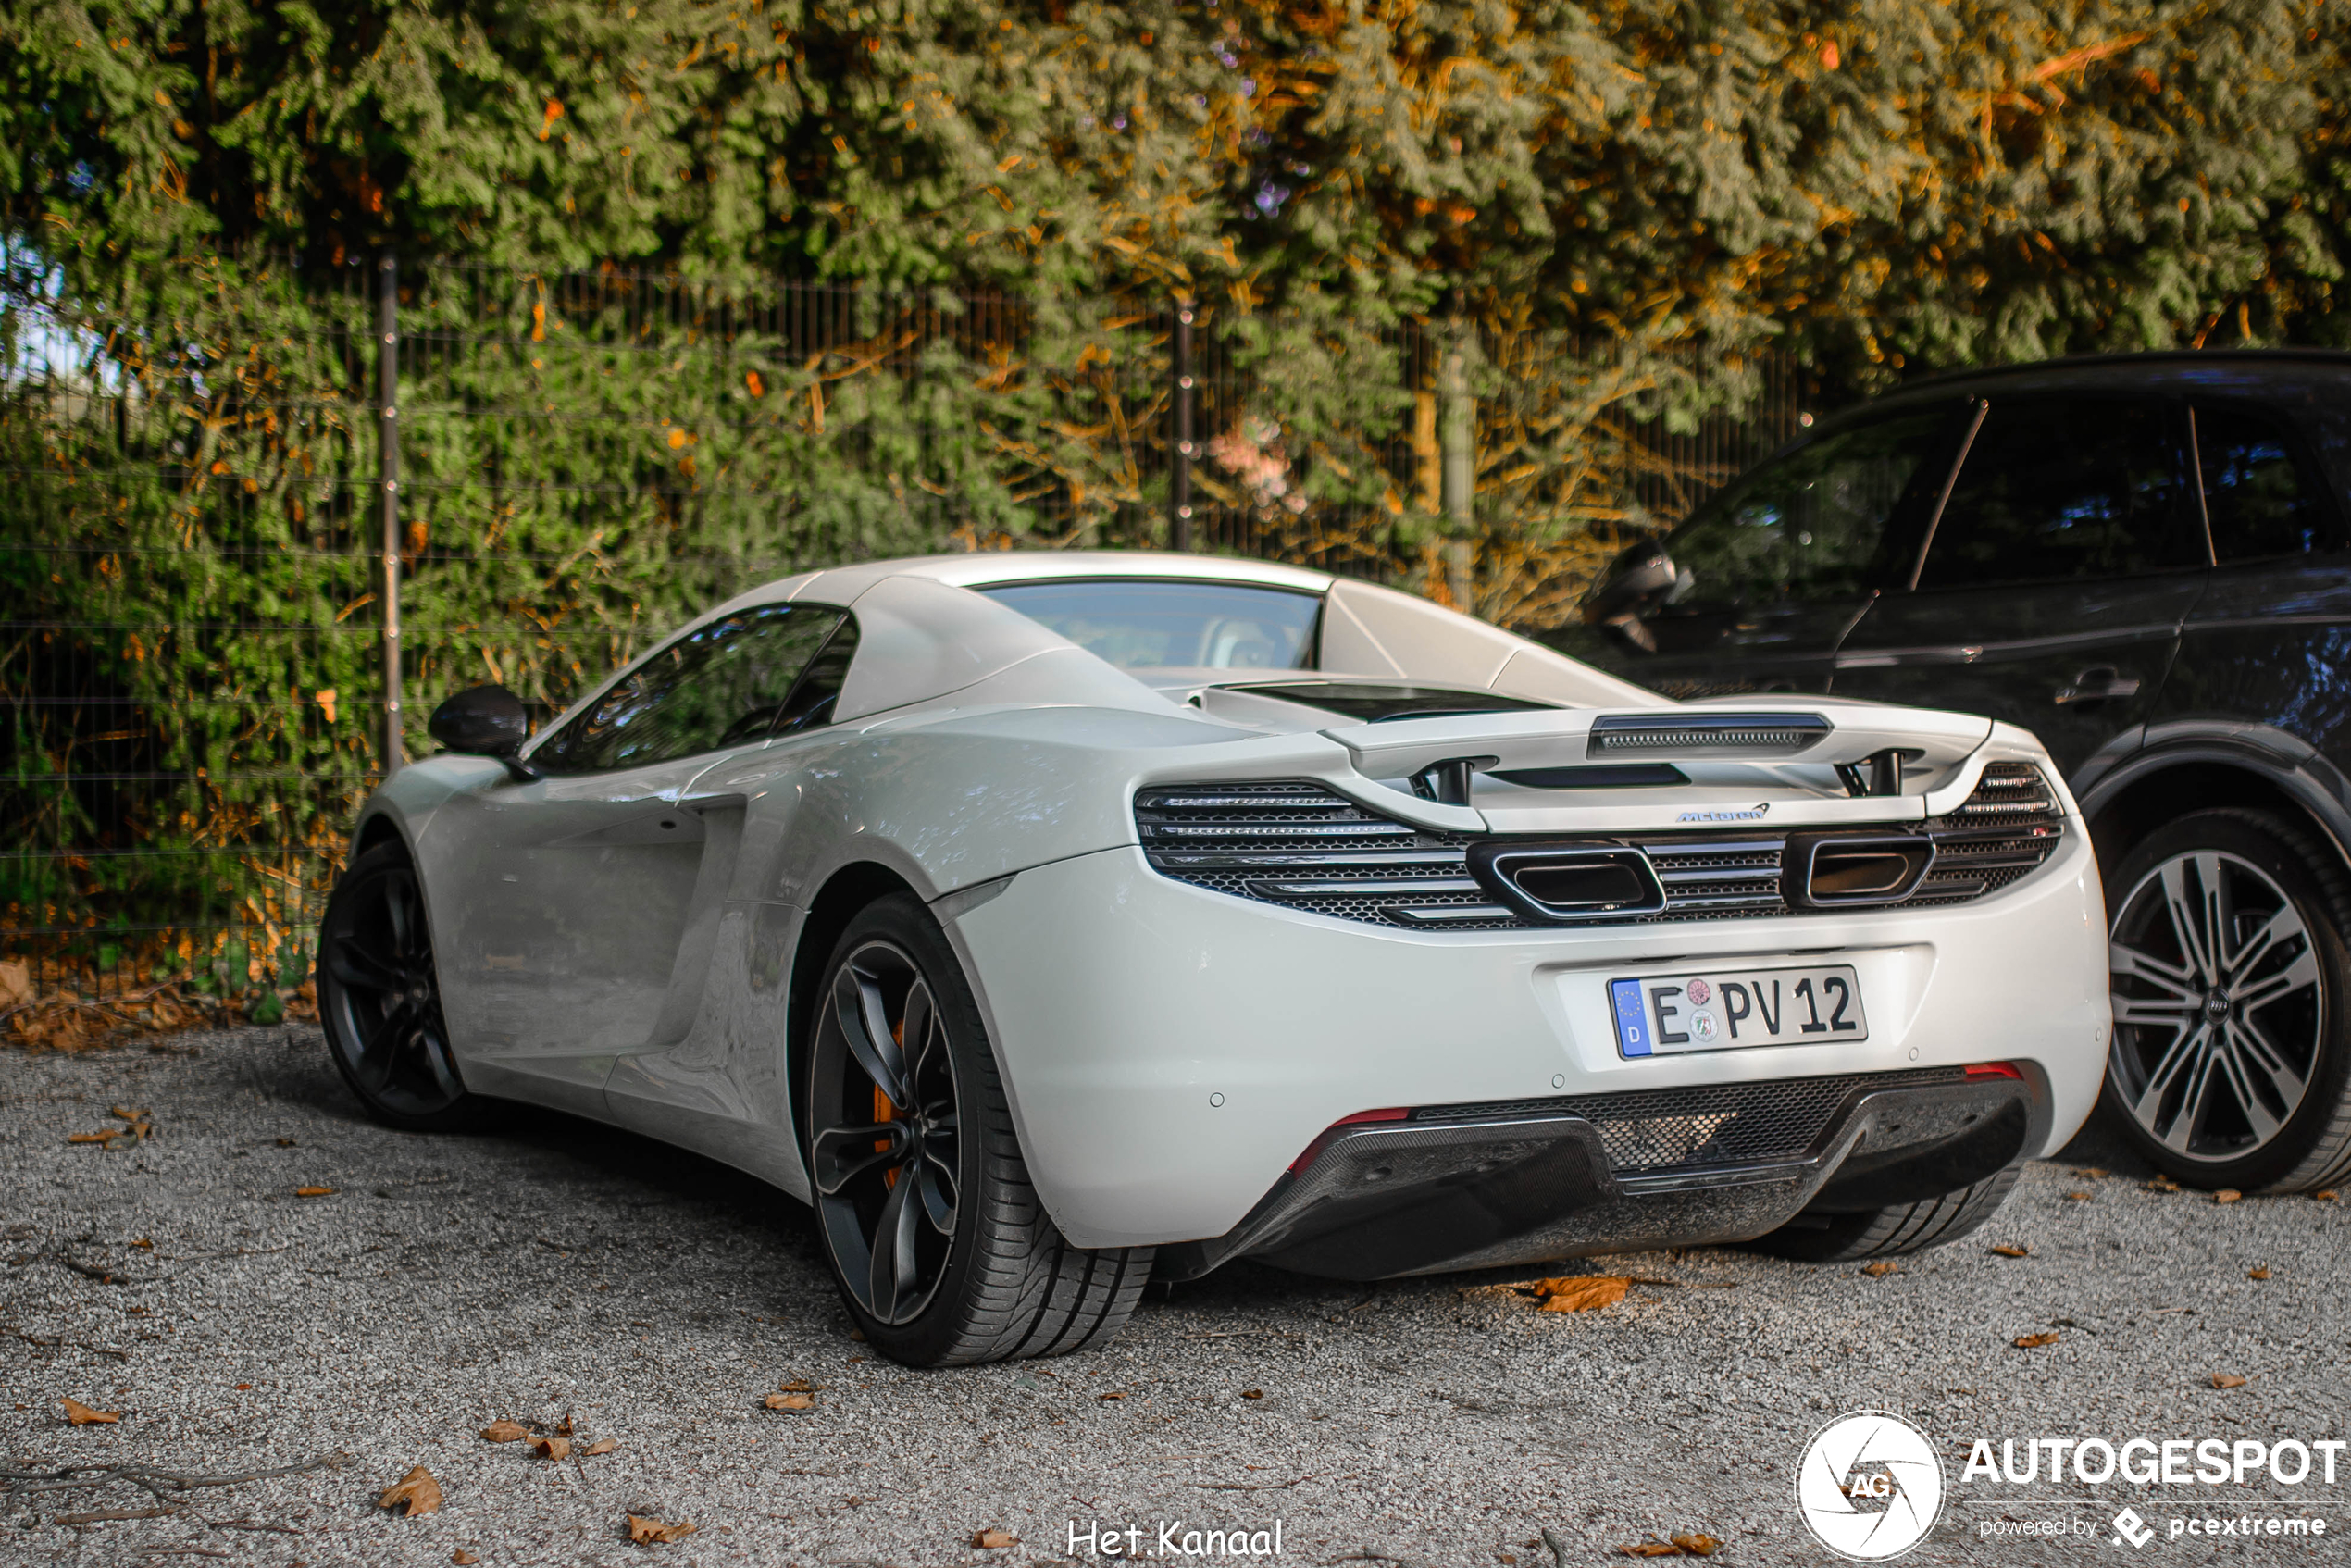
pixel 387 493
pixel 1179 488
pixel 1457 436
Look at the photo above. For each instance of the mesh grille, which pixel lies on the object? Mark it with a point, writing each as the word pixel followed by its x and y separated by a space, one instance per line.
pixel 1656 1130
pixel 1275 842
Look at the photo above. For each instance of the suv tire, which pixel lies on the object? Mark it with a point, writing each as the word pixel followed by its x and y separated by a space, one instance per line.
pixel 2230 1062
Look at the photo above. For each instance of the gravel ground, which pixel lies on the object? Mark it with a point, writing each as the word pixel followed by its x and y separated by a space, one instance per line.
pixel 561 1271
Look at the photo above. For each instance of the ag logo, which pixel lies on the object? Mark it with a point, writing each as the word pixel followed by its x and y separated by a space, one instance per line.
pixel 1870 1487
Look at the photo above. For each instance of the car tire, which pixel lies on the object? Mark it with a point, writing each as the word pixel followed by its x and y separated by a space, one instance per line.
pixel 1889 1232
pixel 2213 1086
pixel 909 1142
pixel 379 1000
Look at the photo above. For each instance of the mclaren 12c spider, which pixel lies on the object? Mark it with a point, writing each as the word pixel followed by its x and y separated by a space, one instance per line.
pixel 1056 922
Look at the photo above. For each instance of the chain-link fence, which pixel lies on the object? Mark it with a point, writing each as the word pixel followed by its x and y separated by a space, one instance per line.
pixel 194 538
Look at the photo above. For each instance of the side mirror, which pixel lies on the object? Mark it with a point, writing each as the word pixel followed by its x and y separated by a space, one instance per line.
pixel 1639 579
pixel 485 721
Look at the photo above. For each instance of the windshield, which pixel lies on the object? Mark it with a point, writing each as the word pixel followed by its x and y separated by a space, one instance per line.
pixel 1139 624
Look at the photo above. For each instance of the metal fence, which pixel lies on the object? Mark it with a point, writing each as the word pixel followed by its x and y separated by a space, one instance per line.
pixel 247 542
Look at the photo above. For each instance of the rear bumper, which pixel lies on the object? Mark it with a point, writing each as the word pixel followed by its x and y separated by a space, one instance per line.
pixel 1481 1188
pixel 1170 1052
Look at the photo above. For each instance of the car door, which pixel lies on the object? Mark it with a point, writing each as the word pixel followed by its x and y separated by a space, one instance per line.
pixel 2270 644
pixel 2053 580
pixel 1755 592
pixel 575 892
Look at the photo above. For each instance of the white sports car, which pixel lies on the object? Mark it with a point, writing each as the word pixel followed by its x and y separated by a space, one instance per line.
pixel 1054 922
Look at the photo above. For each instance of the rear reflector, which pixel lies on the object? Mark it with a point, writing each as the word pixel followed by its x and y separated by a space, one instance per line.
pixel 1394 1114
pixel 1993 1070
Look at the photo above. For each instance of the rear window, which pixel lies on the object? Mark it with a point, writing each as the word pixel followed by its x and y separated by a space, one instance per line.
pixel 1158 624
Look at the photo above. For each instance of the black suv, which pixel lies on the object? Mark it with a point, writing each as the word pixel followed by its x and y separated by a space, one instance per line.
pixel 2145 560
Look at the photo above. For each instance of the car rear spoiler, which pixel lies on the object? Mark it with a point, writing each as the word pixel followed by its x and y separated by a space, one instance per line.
pixel 1801 759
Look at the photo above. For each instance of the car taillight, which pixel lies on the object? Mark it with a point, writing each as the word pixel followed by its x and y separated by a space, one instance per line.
pixel 1993 1070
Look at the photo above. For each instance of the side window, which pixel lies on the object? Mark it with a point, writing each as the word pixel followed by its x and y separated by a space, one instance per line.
pixel 2258 495
pixel 720 685
pixel 2062 488
pixel 812 700
pixel 1810 524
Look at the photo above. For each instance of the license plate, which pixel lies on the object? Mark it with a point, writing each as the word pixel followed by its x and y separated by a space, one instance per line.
pixel 1732 1009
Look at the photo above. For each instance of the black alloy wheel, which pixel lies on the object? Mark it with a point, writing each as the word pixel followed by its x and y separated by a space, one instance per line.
pixel 379 998
pixel 887 1152
pixel 2228 1066
pixel 943 1252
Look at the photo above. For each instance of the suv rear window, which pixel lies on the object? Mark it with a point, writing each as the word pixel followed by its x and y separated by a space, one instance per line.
pixel 2259 497
pixel 1147 624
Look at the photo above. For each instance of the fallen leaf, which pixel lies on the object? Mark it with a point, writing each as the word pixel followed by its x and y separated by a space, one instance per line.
pixel 1697 1545
pixel 2326 1195
pixel 644 1531
pixel 790 1401
pixel 550 1447
pixel 798 1386
pixel 2079 1197
pixel 417 1490
pixel 314 1191
pixel 83 1416
pixel 1651 1548
pixel 2257 1273
pixel 2035 1341
pixel 146 1244
pixel 2227 1195
pixel 1252 1393
pixel 1580 1293
pixel 605 1445
pixel 2163 1184
pixel 2093 1172
pixel 1880 1270
pixel 505 1432
pixel 1113 1394
pixel 2005 1251
pixel 15 983
pixel 462 1557
pixel 2227 1380
pixel 994 1541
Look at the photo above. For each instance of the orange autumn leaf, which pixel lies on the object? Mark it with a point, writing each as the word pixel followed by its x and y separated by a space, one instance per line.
pixel 550 1447
pixel 602 1445
pixel 314 1191
pixel 83 1416
pixel 2228 1380
pixel 2035 1341
pixel 994 1541
pixel 1579 1293
pixel 418 1490
pixel 1881 1269
pixel 646 1531
pixel 1697 1545
pixel 505 1432
pixel 790 1401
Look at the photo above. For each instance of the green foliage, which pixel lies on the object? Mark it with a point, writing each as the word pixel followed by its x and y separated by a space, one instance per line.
pixel 700 292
